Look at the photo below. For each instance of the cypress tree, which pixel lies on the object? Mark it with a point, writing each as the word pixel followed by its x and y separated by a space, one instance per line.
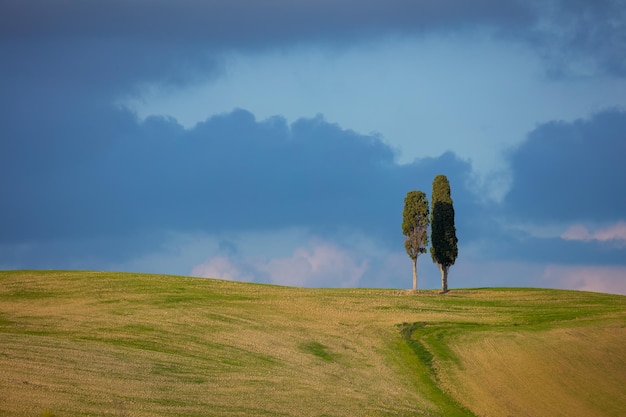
pixel 443 249
pixel 415 227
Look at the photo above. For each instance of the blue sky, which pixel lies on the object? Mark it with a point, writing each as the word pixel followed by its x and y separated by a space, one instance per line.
pixel 275 141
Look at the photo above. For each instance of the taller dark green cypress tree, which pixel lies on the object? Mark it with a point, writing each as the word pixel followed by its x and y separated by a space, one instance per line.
pixel 443 249
pixel 415 227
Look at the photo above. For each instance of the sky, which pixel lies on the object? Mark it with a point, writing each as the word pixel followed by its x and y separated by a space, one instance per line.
pixel 274 141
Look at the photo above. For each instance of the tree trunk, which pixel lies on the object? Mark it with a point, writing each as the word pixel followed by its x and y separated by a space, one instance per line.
pixel 415 274
pixel 444 278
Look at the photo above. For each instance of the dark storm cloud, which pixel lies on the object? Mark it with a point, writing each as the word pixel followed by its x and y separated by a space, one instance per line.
pixel 571 172
pixel 567 33
pixel 50 72
pixel 580 37
pixel 246 22
pixel 79 172
pixel 107 174
pixel 76 169
pixel 564 174
pixel 63 53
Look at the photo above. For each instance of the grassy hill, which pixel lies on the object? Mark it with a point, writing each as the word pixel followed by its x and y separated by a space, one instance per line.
pixel 112 344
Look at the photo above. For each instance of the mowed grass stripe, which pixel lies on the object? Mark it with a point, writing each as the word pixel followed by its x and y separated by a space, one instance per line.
pixel 88 343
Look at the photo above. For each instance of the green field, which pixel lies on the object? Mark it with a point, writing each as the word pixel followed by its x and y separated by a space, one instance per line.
pixel 115 344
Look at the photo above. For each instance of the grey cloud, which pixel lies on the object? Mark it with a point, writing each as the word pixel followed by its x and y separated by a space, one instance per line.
pixel 571 172
pixel 49 72
pixel 246 22
pixel 75 169
pixel 563 173
pixel 106 174
pixel 106 50
pixel 568 33
pixel 581 37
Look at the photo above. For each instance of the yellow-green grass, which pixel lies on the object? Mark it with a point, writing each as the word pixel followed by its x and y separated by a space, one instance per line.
pixel 116 344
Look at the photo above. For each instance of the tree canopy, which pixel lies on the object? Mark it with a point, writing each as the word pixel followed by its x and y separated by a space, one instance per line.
pixel 415 227
pixel 444 249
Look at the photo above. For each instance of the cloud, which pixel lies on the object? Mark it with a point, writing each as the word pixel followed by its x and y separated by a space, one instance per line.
pixel 221 267
pixel 615 233
pixel 577 232
pixel 320 264
pixel 304 259
pixel 571 172
pixel 245 22
pixel 229 173
pixel 566 175
pixel 175 43
pixel 587 278
pixel 521 247
pixel 581 38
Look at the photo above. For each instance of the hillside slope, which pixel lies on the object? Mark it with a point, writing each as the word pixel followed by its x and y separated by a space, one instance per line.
pixel 113 344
